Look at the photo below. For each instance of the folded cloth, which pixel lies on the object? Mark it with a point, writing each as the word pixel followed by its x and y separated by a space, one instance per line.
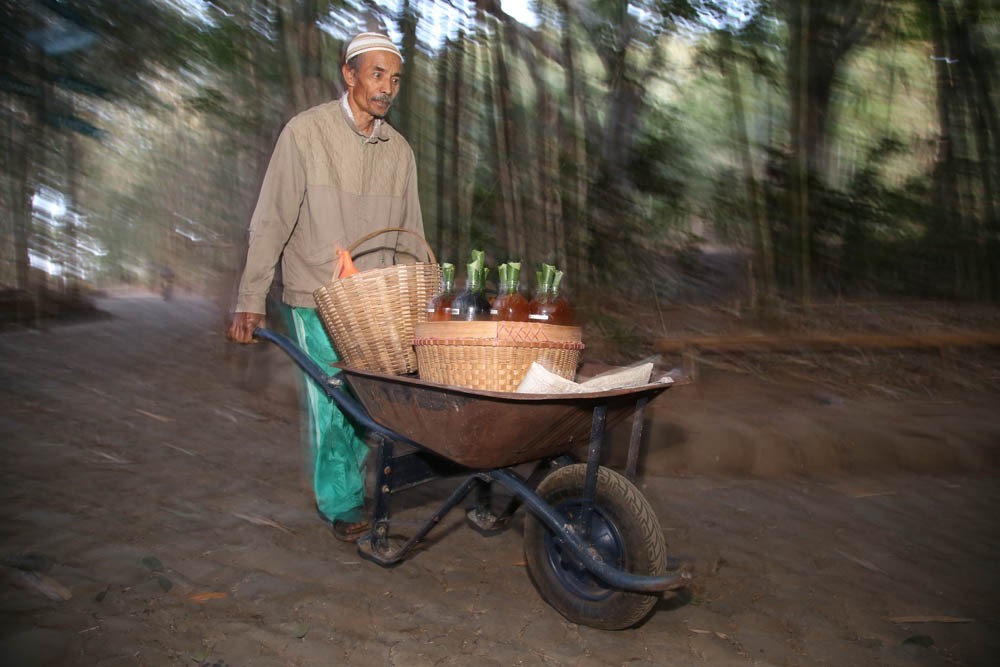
pixel 540 380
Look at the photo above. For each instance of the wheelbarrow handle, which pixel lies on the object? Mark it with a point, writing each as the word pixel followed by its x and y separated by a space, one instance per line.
pixel 329 383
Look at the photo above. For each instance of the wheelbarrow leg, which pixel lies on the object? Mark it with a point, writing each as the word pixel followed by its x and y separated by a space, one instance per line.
pixel 481 516
pixel 379 536
pixel 377 547
pixel 638 417
pixel 593 463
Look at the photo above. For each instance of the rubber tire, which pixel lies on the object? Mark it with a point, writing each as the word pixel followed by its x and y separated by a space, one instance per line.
pixel 627 521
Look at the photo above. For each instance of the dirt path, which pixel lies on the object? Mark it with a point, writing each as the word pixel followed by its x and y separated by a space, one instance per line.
pixel 155 512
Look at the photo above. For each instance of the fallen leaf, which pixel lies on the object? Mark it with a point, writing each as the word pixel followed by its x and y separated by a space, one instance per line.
pixel 110 457
pixel 261 521
pixel 154 416
pixel 207 595
pixel 180 449
pixel 230 417
pixel 165 583
pixel 699 631
pixel 40 583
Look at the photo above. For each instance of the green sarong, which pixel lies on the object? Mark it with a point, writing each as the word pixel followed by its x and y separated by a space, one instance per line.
pixel 337 453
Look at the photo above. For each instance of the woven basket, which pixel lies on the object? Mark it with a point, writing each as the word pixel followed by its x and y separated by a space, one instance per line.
pixel 370 315
pixel 493 356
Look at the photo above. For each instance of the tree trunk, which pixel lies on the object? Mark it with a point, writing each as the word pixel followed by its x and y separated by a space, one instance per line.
pixel 504 131
pixel 762 246
pixel 576 170
pixel 798 72
pixel 459 220
pixel 947 221
pixel 443 227
pixel 979 68
pixel 303 46
pixel 20 142
pixel 548 173
pixel 407 23
pixel 821 35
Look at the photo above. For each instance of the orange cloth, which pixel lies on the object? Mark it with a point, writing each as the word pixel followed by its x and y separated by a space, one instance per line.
pixel 345 264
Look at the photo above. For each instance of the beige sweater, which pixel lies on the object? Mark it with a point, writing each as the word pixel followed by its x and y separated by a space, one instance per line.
pixel 326 184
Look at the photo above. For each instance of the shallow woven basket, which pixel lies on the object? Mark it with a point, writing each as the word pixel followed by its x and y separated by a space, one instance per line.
pixel 493 356
pixel 371 315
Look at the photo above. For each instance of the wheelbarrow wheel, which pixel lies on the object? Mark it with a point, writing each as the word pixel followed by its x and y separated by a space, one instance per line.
pixel 624 532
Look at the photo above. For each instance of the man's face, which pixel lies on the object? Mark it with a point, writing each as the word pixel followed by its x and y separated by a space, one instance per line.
pixel 376 83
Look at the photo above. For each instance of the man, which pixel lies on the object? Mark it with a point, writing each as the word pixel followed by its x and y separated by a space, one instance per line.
pixel 338 172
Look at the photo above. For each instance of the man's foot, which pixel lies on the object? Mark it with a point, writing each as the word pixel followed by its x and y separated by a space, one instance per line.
pixel 350 531
pixel 348 526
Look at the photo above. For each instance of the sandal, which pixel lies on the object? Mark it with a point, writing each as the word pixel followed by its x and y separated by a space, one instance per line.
pixel 349 531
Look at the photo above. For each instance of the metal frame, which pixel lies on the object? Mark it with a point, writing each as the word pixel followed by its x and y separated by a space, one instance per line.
pixel 399 471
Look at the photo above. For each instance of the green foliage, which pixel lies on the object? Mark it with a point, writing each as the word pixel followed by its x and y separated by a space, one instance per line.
pixel 186 109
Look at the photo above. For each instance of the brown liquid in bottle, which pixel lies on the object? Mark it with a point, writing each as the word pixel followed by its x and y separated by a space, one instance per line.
pixel 510 305
pixel 439 308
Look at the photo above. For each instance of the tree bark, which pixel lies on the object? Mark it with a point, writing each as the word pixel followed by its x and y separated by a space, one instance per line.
pixel 576 179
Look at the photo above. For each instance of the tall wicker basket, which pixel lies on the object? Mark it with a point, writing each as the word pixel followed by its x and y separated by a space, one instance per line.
pixel 371 315
pixel 494 356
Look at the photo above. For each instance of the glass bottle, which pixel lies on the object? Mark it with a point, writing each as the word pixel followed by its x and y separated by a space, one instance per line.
pixel 472 303
pixel 542 304
pixel 439 308
pixel 509 304
pixel 562 313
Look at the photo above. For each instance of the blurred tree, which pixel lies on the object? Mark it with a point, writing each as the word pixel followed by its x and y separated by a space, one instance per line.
pixel 734 56
pixel 55 56
pixel 588 140
pixel 576 169
pixel 820 37
pixel 308 54
pixel 966 228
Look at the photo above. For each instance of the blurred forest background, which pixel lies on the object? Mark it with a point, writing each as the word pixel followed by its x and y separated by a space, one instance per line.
pixel 773 151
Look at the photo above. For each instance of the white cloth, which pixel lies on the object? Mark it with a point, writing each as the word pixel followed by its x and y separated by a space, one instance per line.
pixel 540 380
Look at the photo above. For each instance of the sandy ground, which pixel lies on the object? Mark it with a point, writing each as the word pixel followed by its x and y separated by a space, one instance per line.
pixel 156 512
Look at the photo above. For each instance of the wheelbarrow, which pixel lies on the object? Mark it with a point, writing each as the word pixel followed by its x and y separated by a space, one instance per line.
pixel 593 546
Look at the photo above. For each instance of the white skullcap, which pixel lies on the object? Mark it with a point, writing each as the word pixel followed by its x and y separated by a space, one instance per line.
pixel 370 41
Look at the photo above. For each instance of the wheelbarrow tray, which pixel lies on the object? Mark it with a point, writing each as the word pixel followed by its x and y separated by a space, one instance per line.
pixel 486 429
